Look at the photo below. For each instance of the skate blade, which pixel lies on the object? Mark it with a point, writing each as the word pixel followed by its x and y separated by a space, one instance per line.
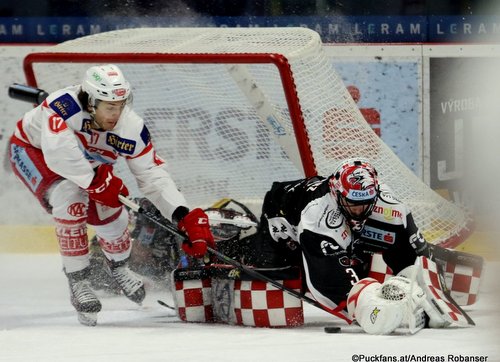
pixel 137 296
pixel 87 319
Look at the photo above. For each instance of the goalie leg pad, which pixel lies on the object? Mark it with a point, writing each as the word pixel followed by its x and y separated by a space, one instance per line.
pixel 441 310
pixel 260 304
pixel 193 295
pixel 462 272
pixel 222 294
pixel 242 300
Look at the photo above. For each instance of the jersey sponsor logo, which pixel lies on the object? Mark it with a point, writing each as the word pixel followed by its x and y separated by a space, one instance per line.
pixel 388 198
pixel 376 234
pixel 388 212
pixel 334 219
pixel 328 248
pixel 117 246
pixel 65 106
pixel 25 167
pixel 122 145
pixel 86 125
pixel 417 241
pixel 72 240
pixel 95 154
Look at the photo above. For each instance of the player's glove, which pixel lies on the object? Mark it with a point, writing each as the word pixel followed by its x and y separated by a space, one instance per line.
pixel 105 187
pixel 195 225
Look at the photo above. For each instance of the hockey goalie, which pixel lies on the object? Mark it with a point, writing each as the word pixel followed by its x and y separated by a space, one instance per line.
pixel 318 236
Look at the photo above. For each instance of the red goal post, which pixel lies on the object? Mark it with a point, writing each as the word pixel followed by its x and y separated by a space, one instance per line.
pixel 234 109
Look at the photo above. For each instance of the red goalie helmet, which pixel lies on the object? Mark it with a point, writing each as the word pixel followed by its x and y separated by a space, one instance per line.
pixel 355 186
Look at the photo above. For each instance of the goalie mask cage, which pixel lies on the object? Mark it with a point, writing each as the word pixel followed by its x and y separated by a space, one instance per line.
pixel 233 109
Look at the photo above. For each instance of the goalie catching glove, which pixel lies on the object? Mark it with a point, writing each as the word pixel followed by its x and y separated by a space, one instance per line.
pixel 195 225
pixel 105 187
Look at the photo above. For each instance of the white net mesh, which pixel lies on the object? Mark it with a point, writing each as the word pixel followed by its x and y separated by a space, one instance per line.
pixel 224 123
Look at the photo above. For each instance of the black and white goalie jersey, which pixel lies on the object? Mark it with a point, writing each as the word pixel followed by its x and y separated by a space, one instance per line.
pixel 334 257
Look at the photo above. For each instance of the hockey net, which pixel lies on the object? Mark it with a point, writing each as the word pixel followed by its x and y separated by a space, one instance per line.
pixel 234 109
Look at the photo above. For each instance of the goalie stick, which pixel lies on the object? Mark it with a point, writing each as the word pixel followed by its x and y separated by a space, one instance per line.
pixel 440 282
pixel 267 114
pixel 246 269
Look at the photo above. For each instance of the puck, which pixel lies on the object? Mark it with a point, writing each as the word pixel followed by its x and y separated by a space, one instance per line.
pixel 161 302
pixel 332 329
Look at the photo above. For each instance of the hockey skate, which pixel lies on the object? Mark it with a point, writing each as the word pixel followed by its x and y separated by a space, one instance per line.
pixel 129 282
pixel 83 297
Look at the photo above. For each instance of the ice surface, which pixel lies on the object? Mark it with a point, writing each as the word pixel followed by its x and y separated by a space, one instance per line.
pixel 37 323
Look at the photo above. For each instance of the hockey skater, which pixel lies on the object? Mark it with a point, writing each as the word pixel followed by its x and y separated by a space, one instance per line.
pixel 331 226
pixel 64 151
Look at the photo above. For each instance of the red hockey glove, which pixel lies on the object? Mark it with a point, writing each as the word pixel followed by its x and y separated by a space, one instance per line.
pixel 195 225
pixel 106 187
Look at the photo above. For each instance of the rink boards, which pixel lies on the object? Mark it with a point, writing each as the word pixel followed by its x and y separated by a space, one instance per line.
pixel 37 239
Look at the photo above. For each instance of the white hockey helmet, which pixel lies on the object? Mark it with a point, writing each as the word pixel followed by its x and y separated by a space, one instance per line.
pixel 105 83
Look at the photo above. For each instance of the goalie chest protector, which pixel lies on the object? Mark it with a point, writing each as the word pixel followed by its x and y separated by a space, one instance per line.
pixel 221 293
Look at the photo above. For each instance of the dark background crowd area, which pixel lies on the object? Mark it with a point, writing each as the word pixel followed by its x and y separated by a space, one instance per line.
pixel 61 8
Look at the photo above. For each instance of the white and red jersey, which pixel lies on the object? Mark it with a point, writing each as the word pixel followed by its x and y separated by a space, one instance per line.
pixel 61 128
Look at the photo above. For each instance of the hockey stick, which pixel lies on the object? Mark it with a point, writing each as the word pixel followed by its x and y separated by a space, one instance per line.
pixel 157 220
pixel 240 222
pixel 440 254
pixel 452 301
pixel 26 93
pixel 246 269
